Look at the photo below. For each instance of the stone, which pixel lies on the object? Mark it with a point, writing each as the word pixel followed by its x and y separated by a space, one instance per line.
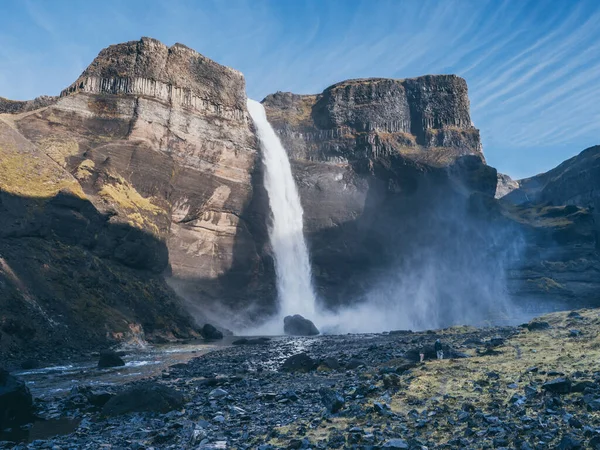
pixel 109 358
pixel 297 325
pixel 144 397
pixel 300 362
pixel 331 363
pixel 558 386
pixel 218 393
pixel 331 399
pixel 569 442
pixel 210 333
pixel 16 403
pixel 251 341
pixel 396 444
pixel 354 363
pixel 537 325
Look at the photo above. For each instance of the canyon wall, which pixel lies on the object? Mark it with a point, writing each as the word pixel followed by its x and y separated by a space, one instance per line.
pixel 147 169
pixel 159 158
pixel 386 171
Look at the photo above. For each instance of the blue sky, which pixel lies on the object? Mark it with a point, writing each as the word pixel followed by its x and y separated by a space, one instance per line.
pixel 533 67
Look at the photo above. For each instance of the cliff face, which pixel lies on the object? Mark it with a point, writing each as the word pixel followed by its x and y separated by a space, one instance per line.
pixel 386 170
pixel 372 117
pixel 559 210
pixel 147 168
pixel 152 151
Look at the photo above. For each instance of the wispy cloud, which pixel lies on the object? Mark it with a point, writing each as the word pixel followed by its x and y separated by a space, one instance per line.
pixel 531 65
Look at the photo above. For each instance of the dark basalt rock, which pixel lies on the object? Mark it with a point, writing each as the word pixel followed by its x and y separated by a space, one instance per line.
pixel 254 341
pixel 300 362
pixel 558 386
pixel 145 397
pixel 332 400
pixel 396 444
pixel 297 325
pixel 210 333
pixel 16 404
pixel 537 325
pixel 110 359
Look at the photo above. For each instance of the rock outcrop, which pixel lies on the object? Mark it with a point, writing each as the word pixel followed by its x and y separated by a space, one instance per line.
pixel 374 117
pixel 147 168
pixel 559 214
pixel 144 167
pixel 16 403
pixel 377 161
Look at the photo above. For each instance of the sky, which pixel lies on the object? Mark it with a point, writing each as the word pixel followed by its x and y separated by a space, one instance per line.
pixel 532 66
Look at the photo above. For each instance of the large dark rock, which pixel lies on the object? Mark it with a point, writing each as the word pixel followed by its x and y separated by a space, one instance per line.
pixel 300 362
pixel 331 399
pixel 210 333
pixel 109 358
pixel 16 404
pixel 145 397
pixel 558 385
pixel 297 325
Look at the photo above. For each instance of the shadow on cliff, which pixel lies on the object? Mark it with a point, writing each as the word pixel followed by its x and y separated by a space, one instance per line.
pixel 431 249
pixel 70 278
pixel 246 293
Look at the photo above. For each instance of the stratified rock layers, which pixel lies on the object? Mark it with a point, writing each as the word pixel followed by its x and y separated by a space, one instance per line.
pixel 156 143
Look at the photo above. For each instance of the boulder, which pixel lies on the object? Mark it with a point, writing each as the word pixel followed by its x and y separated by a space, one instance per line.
pixel 355 363
pixel 331 363
pixel 144 397
pixel 16 404
pixel 110 359
pixel 30 364
pixel 253 341
pixel 332 400
pixel 558 386
pixel 396 444
pixel 210 333
pixel 300 362
pixel 537 325
pixel 297 325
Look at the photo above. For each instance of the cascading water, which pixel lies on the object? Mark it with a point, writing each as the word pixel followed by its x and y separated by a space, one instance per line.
pixel 294 284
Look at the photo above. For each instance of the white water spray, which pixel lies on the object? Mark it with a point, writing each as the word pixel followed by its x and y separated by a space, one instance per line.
pixel 294 284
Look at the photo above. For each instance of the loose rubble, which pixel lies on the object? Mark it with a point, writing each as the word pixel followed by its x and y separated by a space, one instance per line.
pixel 505 388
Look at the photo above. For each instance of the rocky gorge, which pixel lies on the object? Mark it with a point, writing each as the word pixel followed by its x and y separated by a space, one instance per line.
pixel 133 211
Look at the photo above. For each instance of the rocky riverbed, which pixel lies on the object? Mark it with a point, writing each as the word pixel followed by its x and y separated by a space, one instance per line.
pixel 536 386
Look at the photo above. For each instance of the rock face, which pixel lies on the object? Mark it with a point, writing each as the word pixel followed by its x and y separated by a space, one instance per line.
pixel 505 185
pixel 372 117
pixel 377 160
pixel 145 166
pixel 558 211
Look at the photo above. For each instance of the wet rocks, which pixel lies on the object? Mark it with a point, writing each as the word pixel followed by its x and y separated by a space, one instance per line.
pixel 251 341
pixel 300 362
pixel 144 397
pixel 297 325
pixel 16 404
pixel 331 399
pixel 210 333
pixel 109 358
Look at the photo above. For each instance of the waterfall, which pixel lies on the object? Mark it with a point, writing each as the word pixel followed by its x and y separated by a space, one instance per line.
pixel 294 284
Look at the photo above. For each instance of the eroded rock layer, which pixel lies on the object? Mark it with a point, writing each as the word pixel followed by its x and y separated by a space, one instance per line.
pixel 147 162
